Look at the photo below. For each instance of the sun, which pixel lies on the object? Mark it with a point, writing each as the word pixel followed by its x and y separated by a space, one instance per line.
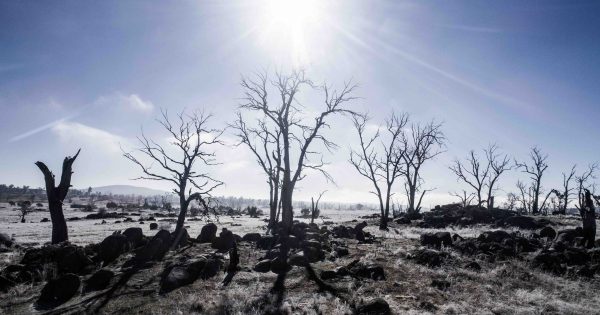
pixel 290 26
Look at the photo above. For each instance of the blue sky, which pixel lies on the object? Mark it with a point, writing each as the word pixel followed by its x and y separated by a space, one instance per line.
pixel 90 74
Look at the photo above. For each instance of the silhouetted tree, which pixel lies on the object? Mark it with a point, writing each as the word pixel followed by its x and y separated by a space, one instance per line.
pixel 420 144
pixel 297 135
pixel 465 198
pixel 473 174
pixel 191 138
pixel 265 144
pixel 24 209
pixel 588 217
pixel 314 208
pixel 56 196
pixel 583 183
pixel 382 166
pixel 535 169
pixel 564 195
pixel 498 165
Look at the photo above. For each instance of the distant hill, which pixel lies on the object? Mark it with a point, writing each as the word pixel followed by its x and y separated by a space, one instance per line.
pixel 128 190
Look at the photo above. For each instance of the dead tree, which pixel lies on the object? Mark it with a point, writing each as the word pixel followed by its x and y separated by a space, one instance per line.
pixel 314 207
pixel 56 196
pixel 535 169
pixel 473 173
pixel 297 134
pixel 588 217
pixel 190 138
pixel 423 142
pixel 498 165
pixel 583 183
pixel 465 199
pixel 265 144
pixel 382 166
pixel 564 195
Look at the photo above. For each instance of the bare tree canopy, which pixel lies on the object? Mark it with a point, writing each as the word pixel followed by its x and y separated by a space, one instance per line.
pixel 265 144
pixel 482 175
pixel 56 196
pixel 535 169
pixel 286 116
pixel 189 150
pixel 583 184
pixel 567 192
pixel 423 142
pixel 379 158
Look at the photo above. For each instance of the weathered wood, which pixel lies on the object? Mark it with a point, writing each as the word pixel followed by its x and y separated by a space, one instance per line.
pixel 56 196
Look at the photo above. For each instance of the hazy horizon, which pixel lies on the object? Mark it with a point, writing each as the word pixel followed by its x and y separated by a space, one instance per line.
pixel 90 75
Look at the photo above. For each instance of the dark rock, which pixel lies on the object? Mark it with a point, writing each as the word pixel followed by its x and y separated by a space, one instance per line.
pixel 263 266
pixel 251 237
pixel 522 222
pixel 183 240
pixel 135 236
pixel 377 306
pixel 111 247
pixel 441 285
pixel 208 233
pixel 58 291
pixel 436 239
pixel 403 220
pixel 266 242
pixel 568 236
pixel 428 306
pixel 548 232
pixel 44 220
pixel 180 275
pixel 429 257
pixel 98 281
pixel 494 236
pixel 280 266
pixel 367 270
pixel 211 268
pixel 328 274
pixel 153 226
pixel 473 266
pixel 6 240
pixel 298 259
pixel 224 242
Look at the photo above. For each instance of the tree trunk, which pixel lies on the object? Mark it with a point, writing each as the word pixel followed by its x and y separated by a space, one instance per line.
pixel 181 217
pixel 56 196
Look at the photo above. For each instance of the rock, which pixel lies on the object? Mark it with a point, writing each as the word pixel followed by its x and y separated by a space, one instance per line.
pixel 522 222
pixel 428 306
pixel 111 247
pixel 494 236
pixel 153 226
pixel 548 232
pixel 568 236
pixel 251 237
pixel 280 266
pixel 6 240
pixel 377 306
pixel 549 261
pixel 224 242
pixel 473 266
pixel 263 266
pixel 181 275
pixel 328 274
pixel 44 220
pixel 266 242
pixel 5 284
pixel 436 239
pixel 341 251
pixel 441 285
pixel 403 220
pixel 365 269
pixel 184 239
pixel 358 231
pixel 298 259
pixel 58 291
pixel 208 233
pixel 211 268
pixel 135 236
pixel 429 257
pixel 98 281
pixel 71 259
pixel 341 231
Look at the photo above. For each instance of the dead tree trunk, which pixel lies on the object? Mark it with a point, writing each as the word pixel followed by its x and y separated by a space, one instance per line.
pixel 56 195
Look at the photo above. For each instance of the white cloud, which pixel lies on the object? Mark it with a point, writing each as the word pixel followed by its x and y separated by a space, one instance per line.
pixel 83 135
pixel 131 102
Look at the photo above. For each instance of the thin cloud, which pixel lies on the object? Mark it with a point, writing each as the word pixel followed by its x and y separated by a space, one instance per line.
pixel 42 128
pixel 77 133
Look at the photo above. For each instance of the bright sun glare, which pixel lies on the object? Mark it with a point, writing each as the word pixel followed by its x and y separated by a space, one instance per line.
pixel 290 25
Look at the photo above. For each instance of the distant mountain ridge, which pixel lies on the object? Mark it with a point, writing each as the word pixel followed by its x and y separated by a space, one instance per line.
pixel 128 190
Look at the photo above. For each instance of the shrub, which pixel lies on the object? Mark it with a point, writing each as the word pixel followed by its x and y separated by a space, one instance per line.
pixel 111 205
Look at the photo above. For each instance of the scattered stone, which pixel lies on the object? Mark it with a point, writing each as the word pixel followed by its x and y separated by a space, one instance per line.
pixel 429 257
pixel 44 220
pixel 153 226
pixel 135 236
pixel 263 266
pixel 181 275
pixel 548 232
pixel 473 266
pixel 441 285
pixel 224 242
pixel 111 247
pixel 366 269
pixel 377 306
pixel 251 237
pixel 208 233
pixel 58 291
pixel 98 281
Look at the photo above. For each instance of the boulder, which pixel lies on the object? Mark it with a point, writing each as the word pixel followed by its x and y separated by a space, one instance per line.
pixel 377 306
pixel 251 237
pixel 58 291
pixel 366 269
pixel 473 266
pixel 211 268
pixel 5 240
pixel 403 220
pixel 280 266
pixel 98 281
pixel 224 242
pixel 111 247
pixel 181 275
pixel 429 257
pixel 494 236
pixel 266 242
pixel 153 226
pixel 263 266
pixel 208 233
pixel 135 236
